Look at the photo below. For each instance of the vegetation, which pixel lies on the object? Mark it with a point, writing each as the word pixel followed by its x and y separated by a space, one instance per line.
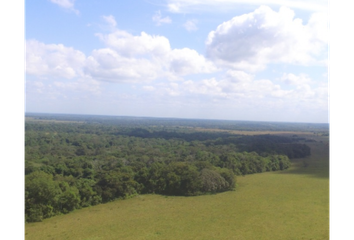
pixel 71 165
pixel 291 204
pixel 178 123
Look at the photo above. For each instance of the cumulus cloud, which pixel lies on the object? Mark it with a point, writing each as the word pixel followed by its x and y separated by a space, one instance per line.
pixel 191 25
pixel 187 61
pixel 158 19
pixel 156 51
pixel 253 40
pixel 129 45
pixel 126 58
pixel 53 60
pixel 67 4
pixel 107 65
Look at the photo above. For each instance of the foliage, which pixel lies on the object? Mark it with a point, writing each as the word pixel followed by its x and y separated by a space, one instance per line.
pixel 74 165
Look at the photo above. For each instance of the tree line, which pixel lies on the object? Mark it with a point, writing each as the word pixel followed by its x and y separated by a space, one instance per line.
pixel 70 165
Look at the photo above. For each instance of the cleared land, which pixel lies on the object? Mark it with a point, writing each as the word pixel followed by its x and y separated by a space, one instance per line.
pixel 32 119
pixel 292 204
pixel 244 132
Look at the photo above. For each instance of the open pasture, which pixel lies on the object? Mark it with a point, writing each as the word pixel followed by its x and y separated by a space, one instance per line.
pixel 256 132
pixel 32 119
pixel 319 136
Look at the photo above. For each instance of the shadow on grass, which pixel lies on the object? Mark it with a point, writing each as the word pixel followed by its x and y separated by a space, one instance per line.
pixel 316 165
pixel 318 173
pixel 310 167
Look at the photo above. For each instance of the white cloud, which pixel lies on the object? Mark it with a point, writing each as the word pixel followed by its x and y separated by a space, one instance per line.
pixel 234 85
pixel 238 89
pixel 253 40
pixel 159 20
pixel 191 25
pixel 53 60
pixel 187 61
pixel 156 51
pixel 174 7
pixel 128 45
pixel 110 20
pixel 184 6
pixel 108 65
pixel 126 59
pixel 292 79
pixel 237 76
pixel 67 4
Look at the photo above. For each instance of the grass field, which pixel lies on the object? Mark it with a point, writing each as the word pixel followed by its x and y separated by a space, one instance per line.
pixel 292 204
pixel 32 119
pixel 245 132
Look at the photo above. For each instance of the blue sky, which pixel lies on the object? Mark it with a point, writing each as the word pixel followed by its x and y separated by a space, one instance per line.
pixel 225 59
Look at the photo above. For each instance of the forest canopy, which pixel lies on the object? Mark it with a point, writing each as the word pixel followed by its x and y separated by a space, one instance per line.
pixel 71 163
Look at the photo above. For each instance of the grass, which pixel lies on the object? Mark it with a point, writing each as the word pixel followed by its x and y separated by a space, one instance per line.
pixel 292 204
pixel 32 119
pixel 247 132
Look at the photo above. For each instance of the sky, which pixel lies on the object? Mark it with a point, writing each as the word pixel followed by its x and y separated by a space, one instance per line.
pixel 213 59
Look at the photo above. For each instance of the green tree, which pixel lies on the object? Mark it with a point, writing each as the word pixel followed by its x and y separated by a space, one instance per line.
pixel 41 196
pixel 212 181
pixel 69 199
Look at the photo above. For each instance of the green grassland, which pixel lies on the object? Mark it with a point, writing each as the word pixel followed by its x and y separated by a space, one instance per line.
pixel 32 119
pixel 291 204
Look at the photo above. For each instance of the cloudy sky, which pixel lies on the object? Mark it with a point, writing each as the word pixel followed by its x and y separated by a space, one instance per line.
pixel 213 59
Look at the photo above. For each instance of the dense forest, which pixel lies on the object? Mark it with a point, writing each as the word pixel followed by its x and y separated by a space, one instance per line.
pixel 71 163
